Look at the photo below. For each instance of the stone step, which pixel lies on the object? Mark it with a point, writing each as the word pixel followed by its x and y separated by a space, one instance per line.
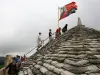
pixel 73 52
pixel 76 59
pixel 97 56
pixel 93 46
pixel 44 70
pixel 74 46
pixel 94 61
pixel 27 64
pixel 76 63
pixel 57 70
pixel 94 74
pixel 32 71
pixel 73 41
pixel 91 39
pixel 73 49
pixel 81 44
pixel 81 70
pixel 79 52
pixel 54 63
pixel 63 56
pixel 62 49
pixel 55 59
pixel 92 43
pixel 47 61
pixel 65 43
pixel 94 49
pixel 36 71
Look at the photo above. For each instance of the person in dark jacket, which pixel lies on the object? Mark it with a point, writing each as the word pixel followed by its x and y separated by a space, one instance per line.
pixel 64 29
pixel 50 35
pixel 12 68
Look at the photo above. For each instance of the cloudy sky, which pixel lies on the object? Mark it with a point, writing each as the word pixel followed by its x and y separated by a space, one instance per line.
pixel 21 20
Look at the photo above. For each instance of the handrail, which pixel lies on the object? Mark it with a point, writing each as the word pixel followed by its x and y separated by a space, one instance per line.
pixel 2 68
pixel 36 46
pixel 30 50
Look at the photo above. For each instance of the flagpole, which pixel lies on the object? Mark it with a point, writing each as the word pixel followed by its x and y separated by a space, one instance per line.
pixel 58 17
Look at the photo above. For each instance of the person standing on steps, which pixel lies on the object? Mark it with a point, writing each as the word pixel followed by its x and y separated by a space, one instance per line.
pixel 18 64
pixel 50 35
pixel 12 67
pixel 64 29
pixel 58 32
pixel 39 41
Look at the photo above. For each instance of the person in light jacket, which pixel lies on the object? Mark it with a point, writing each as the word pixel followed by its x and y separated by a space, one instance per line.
pixel 39 41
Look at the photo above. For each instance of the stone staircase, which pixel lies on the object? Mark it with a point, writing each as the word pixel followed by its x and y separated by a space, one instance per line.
pixel 71 58
pixel 77 52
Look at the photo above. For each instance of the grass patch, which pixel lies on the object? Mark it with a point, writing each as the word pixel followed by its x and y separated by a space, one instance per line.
pixel 1 66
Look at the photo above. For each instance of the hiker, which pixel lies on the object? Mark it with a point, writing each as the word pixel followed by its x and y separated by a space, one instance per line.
pixel 22 59
pixel 64 29
pixel 12 67
pixel 58 32
pixel 25 57
pixel 17 58
pixel 50 35
pixel 18 64
pixel 39 41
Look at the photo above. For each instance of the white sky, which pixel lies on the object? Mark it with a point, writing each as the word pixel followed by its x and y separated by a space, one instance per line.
pixel 21 20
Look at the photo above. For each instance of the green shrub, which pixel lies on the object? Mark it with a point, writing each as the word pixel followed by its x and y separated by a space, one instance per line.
pixel 1 66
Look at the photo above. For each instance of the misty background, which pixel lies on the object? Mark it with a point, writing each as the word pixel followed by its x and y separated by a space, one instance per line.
pixel 22 20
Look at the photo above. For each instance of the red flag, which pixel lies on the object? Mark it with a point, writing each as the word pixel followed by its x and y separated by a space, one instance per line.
pixel 67 10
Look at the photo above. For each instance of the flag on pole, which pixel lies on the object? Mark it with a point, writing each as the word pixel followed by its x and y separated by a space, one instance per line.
pixel 67 10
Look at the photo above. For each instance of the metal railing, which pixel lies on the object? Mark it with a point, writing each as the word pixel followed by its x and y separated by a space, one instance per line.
pixel 43 44
pixel 24 71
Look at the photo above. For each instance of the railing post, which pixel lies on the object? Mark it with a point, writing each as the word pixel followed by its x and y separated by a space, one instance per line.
pixel 8 60
pixel 4 72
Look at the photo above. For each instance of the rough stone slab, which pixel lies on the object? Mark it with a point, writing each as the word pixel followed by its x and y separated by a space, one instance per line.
pixel 58 71
pixel 67 73
pixel 91 39
pixel 98 56
pixel 48 61
pixel 94 48
pixel 48 66
pixel 94 61
pixel 74 46
pixel 37 66
pixel 62 49
pixel 57 64
pixel 76 63
pixel 43 70
pixel 94 74
pixel 36 71
pixel 81 70
pixel 50 73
